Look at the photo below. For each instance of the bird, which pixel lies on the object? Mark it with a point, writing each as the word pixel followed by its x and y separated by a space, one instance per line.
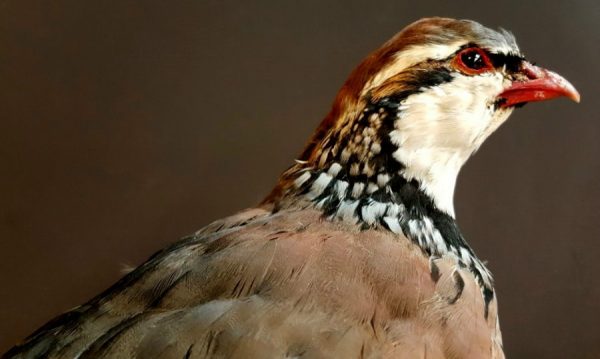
pixel 356 252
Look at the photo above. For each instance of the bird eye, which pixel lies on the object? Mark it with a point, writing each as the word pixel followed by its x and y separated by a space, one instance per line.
pixel 472 61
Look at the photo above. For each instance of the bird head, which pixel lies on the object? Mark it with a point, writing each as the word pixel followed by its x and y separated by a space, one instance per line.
pixel 417 108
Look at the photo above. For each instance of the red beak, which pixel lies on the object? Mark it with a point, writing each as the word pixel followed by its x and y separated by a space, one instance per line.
pixel 541 85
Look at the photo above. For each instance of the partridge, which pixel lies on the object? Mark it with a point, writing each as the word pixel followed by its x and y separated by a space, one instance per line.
pixel 356 252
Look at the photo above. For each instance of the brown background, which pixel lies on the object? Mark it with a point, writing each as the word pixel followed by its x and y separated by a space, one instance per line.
pixel 125 125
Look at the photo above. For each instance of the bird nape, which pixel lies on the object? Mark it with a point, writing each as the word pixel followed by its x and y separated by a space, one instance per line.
pixel 356 252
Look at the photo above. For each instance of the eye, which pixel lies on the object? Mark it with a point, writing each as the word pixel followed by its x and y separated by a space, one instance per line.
pixel 473 61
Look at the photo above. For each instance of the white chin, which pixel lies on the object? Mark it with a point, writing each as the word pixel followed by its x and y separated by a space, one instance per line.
pixel 438 129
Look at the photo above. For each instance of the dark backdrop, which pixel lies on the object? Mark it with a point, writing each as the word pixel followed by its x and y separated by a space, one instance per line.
pixel 125 125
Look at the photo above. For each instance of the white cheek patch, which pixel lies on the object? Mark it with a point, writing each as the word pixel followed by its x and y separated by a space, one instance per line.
pixel 438 129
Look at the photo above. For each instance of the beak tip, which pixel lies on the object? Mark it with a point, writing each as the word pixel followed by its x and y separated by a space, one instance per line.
pixel 567 89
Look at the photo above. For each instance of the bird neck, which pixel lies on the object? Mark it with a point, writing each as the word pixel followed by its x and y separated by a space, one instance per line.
pixel 393 203
pixel 399 206
pixel 368 166
pixel 354 170
pixel 364 184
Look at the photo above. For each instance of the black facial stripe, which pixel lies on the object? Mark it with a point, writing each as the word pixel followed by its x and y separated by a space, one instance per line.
pixel 385 111
pixel 421 79
pixel 431 78
pixel 512 62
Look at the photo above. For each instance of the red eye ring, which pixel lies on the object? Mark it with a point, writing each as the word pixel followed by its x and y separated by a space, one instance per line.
pixel 472 61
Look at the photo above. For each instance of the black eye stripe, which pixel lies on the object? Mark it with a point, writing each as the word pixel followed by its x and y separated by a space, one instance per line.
pixel 512 62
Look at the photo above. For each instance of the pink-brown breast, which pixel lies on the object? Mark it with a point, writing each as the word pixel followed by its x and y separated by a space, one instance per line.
pixel 260 285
